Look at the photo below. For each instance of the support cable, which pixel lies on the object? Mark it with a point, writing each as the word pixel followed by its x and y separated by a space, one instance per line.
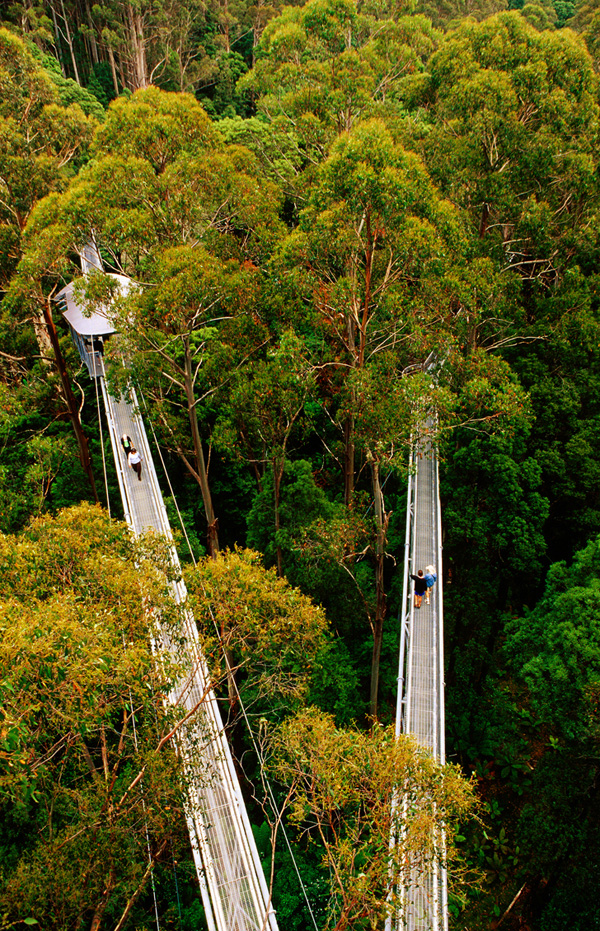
pixel 135 743
pixel 101 436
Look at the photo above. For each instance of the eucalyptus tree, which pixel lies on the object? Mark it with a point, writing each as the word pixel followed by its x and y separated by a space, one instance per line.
pixel 371 247
pixel 91 790
pixel 514 139
pixel 324 66
pixel 189 220
pixel 341 785
pixel 273 634
pixel 40 139
pixel 382 262
pixel 41 142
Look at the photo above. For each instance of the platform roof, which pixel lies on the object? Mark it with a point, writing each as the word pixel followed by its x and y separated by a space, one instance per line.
pixel 95 324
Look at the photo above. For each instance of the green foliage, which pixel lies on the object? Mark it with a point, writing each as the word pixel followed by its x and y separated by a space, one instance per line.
pixel 523 109
pixel 38 139
pixel 225 100
pixel 322 67
pixel 302 503
pixel 76 666
pixel 341 784
pixel 553 649
pixel 557 645
pixel 271 632
pixel 397 193
pixel 155 126
pixel 70 92
pixel 315 536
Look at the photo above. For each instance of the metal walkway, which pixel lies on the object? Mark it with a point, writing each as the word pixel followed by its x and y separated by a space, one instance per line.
pixel 232 881
pixel 228 864
pixel 420 707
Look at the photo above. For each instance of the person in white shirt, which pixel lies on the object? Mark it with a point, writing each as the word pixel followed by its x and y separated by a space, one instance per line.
pixel 135 462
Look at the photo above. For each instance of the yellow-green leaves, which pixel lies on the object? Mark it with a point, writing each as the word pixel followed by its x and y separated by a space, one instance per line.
pixel 76 666
pixel 156 126
pixel 38 139
pixel 271 631
pixel 515 139
pixel 350 791
pixel 325 66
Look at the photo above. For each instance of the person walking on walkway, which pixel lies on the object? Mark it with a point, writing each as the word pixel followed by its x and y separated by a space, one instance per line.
pixel 431 578
pixel 135 461
pixel 127 444
pixel 420 587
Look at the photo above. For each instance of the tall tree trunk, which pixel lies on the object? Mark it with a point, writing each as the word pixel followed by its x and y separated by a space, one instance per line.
pixel 136 32
pixel 92 33
pixel 103 901
pixel 226 25
pixel 141 46
pixel 42 336
pixel 113 70
pixel 257 29
pixel 349 445
pixel 125 79
pixel 212 535
pixel 349 460
pixel 381 522
pixel 84 452
pixel 277 476
pixel 69 41
pixel 58 42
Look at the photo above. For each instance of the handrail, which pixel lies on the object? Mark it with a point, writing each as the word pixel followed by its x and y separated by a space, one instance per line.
pixel 422 900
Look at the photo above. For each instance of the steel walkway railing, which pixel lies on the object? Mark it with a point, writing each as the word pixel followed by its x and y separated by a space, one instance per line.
pixel 420 704
pixel 235 894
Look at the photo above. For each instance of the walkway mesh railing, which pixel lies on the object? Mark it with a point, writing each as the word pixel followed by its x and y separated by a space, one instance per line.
pixel 423 904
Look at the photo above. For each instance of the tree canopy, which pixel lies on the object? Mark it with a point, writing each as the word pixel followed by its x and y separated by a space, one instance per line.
pixel 338 220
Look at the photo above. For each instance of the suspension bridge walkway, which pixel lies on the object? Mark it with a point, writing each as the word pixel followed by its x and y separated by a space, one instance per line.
pixel 420 703
pixel 232 882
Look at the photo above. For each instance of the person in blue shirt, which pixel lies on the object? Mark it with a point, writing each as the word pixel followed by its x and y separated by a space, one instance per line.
pixel 430 578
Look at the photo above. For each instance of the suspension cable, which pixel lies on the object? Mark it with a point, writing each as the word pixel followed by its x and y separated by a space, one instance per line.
pixel 135 743
pixel 96 376
pixel 258 752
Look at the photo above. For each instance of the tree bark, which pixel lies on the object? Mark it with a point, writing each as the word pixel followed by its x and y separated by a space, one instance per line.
pixel 113 70
pixel 58 44
pixel 349 446
pixel 84 452
pixel 136 31
pixel 349 460
pixel 69 41
pixel 257 29
pixel 277 476
pixel 212 535
pixel 226 26
pixel 92 37
pixel 136 894
pixel 101 906
pixel 381 521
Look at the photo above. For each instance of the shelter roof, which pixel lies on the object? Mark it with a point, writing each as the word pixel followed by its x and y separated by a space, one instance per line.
pixel 98 323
